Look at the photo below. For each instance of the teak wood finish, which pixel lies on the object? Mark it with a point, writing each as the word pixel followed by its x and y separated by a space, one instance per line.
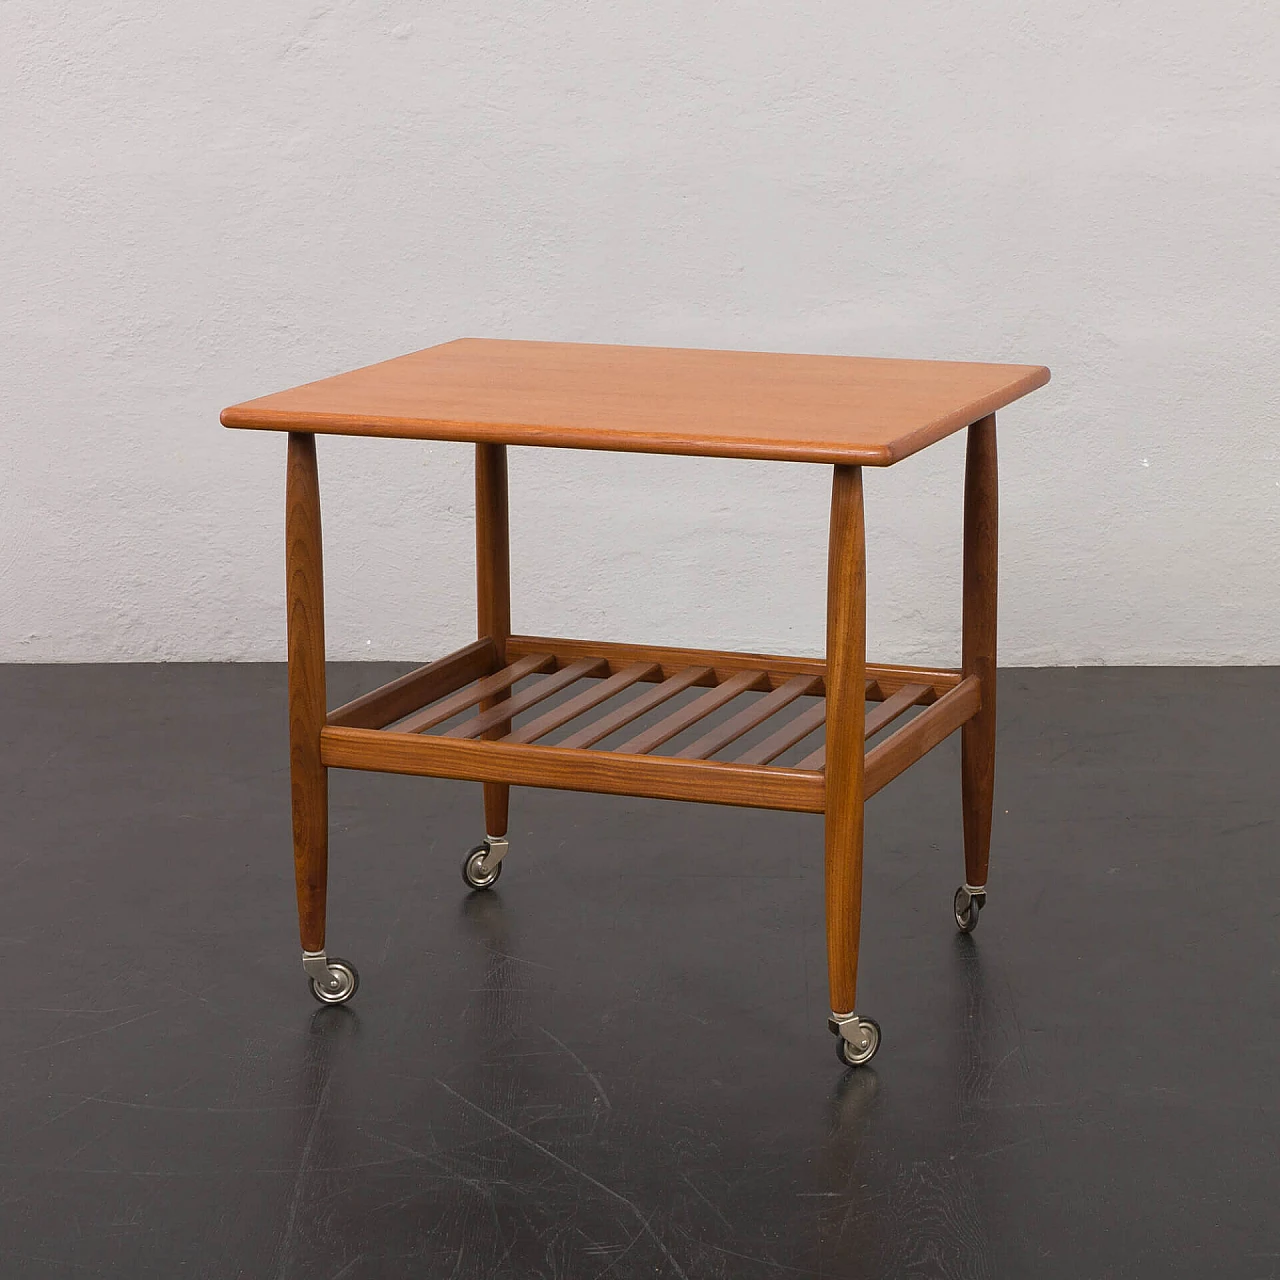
pixel 978 646
pixel 633 710
pixel 401 697
pixel 885 678
pixel 458 717
pixel 614 773
pixel 309 779
pixel 846 730
pixel 493 600
pixel 484 692
pixel 575 707
pixel 724 404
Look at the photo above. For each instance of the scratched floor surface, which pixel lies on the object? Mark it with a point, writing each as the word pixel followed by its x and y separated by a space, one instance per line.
pixel 616 1064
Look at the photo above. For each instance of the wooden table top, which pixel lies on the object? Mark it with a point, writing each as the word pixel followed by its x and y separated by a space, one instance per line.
pixel 723 404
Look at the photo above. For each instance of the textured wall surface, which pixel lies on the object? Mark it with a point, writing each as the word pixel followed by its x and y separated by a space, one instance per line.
pixel 201 203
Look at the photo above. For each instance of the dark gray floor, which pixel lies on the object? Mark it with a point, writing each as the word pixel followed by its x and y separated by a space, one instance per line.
pixel 616 1064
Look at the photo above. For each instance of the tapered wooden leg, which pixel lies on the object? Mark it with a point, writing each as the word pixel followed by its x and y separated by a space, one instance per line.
pixel 493 597
pixel 846 717
pixel 310 780
pixel 978 735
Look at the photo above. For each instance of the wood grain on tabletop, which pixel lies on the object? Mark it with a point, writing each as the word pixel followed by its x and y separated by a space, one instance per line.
pixel 731 404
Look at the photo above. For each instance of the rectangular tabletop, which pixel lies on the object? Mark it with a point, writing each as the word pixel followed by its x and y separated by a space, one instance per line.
pixel 723 404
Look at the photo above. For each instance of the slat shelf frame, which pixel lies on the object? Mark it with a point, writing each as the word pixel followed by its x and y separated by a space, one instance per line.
pixel 900 750
pixel 416 689
pixel 388 729
pixel 572 769
pixel 883 678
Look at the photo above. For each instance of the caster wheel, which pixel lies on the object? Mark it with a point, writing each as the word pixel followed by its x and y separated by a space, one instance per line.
pixel 855 1055
pixel 343 983
pixel 967 907
pixel 472 873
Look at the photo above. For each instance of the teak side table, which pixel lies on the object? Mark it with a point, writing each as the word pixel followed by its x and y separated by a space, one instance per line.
pixel 845 412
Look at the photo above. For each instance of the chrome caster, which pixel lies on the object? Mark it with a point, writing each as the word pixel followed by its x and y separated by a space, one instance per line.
pixel 332 981
pixel 969 901
pixel 483 865
pixel 857 1039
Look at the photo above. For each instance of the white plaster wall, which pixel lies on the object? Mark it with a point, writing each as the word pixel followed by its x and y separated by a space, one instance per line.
pixel 204 202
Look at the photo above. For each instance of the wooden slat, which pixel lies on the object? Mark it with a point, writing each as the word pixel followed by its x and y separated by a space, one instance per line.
pixel 889 710
pixel 732 729
pixel 525 764
pixel 587 699
pixel 722 665
pixel 884 678
pixel 527 698
pixel 391 702
pixel 597 730
pixel 889 678
pixel 902 749
pixel 439 712
pixel 893 706
pixel 793 731
pixel 678 721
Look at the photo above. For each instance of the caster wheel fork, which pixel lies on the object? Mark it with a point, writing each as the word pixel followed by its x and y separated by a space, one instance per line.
pixel 483 865
pixel 857 1039
pixel 969 901
pixel 332 981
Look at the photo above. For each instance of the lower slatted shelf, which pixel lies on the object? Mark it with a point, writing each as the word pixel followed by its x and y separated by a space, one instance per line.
pixel 471 701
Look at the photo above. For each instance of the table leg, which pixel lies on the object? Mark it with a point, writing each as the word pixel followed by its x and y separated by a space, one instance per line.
pixel 493 599
pixel 845 753
pixel 305 588
pixel 333 981
pixel 306 688
pixel 978 735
